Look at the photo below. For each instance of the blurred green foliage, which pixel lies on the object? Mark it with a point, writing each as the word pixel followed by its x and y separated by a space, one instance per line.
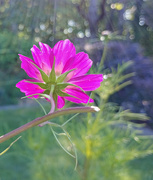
pixel 108 145
pixel 10 71
pixel 9 54
pixel 26 22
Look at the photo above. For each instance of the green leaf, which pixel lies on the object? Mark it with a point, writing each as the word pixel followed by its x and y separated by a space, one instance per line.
pixel 61 78
pixel 30 95
pixel 42 85
pixel 52 76
pixel 39 94
pixel 43 75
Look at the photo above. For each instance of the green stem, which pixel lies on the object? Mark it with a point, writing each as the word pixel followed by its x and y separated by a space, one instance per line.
pixel 51 110
pixel 47 117
pixel 52 104
pixel 40 106
pixel 103 57
pixel 9 146
pixel 86 169
pixel 69 119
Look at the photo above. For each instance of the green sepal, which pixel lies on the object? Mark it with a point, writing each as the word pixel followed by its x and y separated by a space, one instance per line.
pixel 61 86
pixel 52 76
pixel 43 75
pixel 46 92
pixel 42 85
pixel 63 94
pixel 61 78
pixel 38 94
pixel 64 85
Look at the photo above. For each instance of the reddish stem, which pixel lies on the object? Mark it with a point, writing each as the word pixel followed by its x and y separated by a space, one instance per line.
pixel 47 117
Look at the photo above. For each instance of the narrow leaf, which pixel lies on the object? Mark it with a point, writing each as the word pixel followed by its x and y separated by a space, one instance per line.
pixel 42 85
pixel 63 94
pixel 60 143
pixel 61 78
pixel 64 85
pixel 38 94
pixel 9 146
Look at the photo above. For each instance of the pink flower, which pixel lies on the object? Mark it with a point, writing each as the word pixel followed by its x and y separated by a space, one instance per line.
pixel 59 72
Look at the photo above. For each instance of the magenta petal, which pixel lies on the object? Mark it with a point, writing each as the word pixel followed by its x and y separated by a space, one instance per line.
pixel 47 57
pixel 60 102
pixel 36 55
pixel 80 62
pixel 29 88
pixel 29 68
pixel 44 58
pixel 63 50
pixel 81 97
pixel 88 82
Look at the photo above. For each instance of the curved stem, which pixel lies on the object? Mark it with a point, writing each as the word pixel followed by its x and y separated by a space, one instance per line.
pixel 45 118
pixel 9 146
pixel 101 64
pixel 52 104
pixel 51 111
pixel 60 143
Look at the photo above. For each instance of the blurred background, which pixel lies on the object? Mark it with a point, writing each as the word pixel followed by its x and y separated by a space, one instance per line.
pixel 85 23
pixel 118 36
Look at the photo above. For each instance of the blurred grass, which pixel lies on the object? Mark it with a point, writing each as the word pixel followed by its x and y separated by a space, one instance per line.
pixel 108 146
pixel 38 156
